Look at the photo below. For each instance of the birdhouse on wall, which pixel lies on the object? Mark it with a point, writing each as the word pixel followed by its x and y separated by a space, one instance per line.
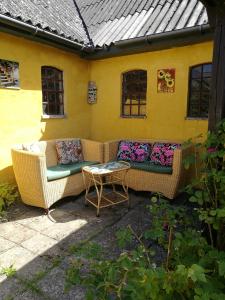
pixel 92 92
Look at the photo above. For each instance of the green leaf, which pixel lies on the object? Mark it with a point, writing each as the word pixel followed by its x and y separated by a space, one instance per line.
pixel 213 212
pixel 8 271
pixel 196 273
pixel 154 199
pixel 221 265
pixel 221 212
pixel 124 237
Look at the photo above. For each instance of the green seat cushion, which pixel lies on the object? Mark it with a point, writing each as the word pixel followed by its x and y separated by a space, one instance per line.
pixel 60 171
pixel 151 167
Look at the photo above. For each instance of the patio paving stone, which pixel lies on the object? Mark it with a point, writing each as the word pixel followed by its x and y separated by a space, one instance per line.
pixel 5 244
pixel 55 288
pixel 15 232
pixel 59 231
pixel 40 222
pixel 34 268
pixel 28 295
pixel 40 243
pixel 17 256
pixel 9 287
pixel 38 246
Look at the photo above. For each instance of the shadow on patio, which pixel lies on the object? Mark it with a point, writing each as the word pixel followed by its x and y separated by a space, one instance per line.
pixel 39 248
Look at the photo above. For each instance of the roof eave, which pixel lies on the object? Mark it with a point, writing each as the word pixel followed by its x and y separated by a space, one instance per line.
pixel 160 41
pixel 22 29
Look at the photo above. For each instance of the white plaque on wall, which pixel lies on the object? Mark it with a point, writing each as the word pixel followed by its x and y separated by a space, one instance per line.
pixel 92 92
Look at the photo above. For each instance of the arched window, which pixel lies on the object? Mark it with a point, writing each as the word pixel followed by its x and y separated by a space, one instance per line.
pixel 200 77
pixel 134 88
pixel 52 91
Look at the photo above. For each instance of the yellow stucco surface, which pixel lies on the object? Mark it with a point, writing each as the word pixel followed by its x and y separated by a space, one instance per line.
pixel 166 112
pixel 21 109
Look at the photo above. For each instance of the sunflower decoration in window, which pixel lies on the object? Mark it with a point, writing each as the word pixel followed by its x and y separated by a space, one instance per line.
pixel 166 81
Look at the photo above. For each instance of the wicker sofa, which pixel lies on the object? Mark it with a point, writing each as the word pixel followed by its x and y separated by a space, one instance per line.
pixel 41 182
pixel 146 177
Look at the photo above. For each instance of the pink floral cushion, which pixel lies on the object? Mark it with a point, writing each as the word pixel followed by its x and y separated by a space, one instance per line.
pixel 162 153
pixel 69 151
pixel 133 151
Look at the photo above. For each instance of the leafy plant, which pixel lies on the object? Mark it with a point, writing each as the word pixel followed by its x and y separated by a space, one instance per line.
pixel 8 195
pixel 193 267
pixel 208 188
pixel 88 250
pixel 124 237
pixel 73 275
pixel 8 271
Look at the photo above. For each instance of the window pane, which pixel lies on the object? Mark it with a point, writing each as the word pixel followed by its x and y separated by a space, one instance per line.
pixel 143 110
pixel 60 98
pixel 194 105
pixel 196 72
pixel 134 110
pixel 206 85
pixel 44 84
pixel 200 90
pixel 207 70
pixel 126 100
pixel 126 110
pixel 52 91
pixel 205 104
pixel 134 87
pixel 195 85
pixel 51 85
pixel 59 85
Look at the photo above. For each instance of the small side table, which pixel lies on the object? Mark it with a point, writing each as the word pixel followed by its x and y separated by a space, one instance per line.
pixel 101 175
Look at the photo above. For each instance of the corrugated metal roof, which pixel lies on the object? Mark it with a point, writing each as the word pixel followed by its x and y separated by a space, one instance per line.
pixel 56 16
pixel 109 21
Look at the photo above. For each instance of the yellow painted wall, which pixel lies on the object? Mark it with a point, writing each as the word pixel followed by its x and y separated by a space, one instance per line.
pixel 166 113
pixel 21 110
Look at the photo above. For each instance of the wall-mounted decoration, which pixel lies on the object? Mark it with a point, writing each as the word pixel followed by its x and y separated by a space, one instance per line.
pixel 9 74
pixel 92 92
pixel 166 81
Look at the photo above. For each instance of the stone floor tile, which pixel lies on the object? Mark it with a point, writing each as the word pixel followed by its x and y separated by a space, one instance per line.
pixel 21 210
pixel 29 295
pixel 61 230
pixel 15 232
pixel 41 222
pixel 38 266
pixel 9 287
pixel 55 288
pixel 5 244
pixel 40 244
pixel 17 256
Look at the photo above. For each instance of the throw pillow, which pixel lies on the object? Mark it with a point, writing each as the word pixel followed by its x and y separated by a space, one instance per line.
pixel 31 147
pixel 133 151
pixel 162 153
pixel 69 151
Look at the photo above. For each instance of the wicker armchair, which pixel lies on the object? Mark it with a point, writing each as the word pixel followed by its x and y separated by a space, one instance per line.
pixel 31 173
pixel 167 184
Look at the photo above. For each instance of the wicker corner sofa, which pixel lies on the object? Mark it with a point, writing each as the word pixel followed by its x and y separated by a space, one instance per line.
pixel 146 177
pixel 40 182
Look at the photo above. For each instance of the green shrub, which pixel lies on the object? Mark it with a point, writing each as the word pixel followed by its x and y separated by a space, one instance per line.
pixel 207 191
pixel 8 195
